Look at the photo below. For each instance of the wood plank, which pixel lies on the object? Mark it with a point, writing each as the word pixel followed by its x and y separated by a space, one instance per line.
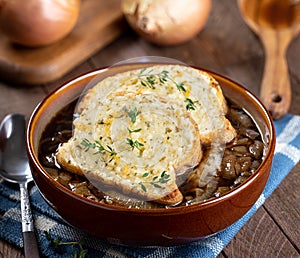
pixel 230 40
pixel 293 53
pixel 19 99
pixel 260 237
pixel 293 59
pixel 7 250
pixel 282 206
pixel 77 71
pixel 131 46
pixel 99 23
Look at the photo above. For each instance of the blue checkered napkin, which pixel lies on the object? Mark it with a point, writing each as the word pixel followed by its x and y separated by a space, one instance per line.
pixel 287 154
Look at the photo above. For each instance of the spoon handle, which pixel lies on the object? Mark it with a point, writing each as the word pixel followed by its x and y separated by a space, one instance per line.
pixel 29 238
pixel 275 88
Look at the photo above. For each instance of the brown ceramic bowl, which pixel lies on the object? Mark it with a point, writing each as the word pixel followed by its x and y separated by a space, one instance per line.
pixel 172 226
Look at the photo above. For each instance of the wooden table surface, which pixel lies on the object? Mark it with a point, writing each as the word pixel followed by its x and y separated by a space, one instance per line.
pixel 226 46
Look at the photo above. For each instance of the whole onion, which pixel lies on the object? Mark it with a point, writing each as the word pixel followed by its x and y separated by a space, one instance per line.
pixel 167 22
pixel 37 22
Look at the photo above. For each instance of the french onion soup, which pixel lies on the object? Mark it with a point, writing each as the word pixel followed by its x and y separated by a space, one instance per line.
pixel 155 137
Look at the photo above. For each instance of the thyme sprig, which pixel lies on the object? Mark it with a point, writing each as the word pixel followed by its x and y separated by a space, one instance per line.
pixel 58 242
pixel 149 79
pixel 190 104
pixel 134 143
pixel 156 181
pixel 99 147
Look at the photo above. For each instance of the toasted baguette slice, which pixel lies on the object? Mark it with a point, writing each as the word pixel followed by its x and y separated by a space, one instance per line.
pixel 137 143
pixel 191 88
pixel 176 108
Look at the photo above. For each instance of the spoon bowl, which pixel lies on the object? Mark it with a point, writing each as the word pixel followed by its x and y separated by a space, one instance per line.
pixel 14 162
pixel 276 22
pixel 14 168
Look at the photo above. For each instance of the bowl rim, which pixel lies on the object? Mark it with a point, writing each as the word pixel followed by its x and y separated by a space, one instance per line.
pixel 157 211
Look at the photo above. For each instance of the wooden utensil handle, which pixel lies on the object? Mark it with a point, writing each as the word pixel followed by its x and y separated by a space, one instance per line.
pixel 275 88
pixel 30 245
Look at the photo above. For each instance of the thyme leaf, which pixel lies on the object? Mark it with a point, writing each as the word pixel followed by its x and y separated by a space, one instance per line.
pixel 143 187
pixel 156 181
pixel 190 104
pixel 134 144
pixel 58 242
pixel 133 114
pixel 134 130
pixel 88 145
pixel 180 86
pixel 164 177
pixel 98 146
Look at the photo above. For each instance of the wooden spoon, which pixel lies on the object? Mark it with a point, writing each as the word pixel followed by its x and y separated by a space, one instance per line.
pixel 276 22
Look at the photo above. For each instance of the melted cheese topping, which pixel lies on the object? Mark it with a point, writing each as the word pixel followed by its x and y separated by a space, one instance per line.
pixel 165 135
pixel 140 131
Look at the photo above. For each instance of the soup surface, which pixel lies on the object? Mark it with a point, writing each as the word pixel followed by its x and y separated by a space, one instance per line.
pixel 240 158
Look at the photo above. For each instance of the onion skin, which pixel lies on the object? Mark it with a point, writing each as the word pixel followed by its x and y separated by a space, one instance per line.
pixel 37 23
pixel 167 22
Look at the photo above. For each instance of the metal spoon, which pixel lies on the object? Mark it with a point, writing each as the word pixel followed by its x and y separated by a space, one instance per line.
pixel 14 168
pixel 276 22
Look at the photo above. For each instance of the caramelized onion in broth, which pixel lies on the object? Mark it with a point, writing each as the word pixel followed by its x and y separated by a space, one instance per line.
pixel 239 160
